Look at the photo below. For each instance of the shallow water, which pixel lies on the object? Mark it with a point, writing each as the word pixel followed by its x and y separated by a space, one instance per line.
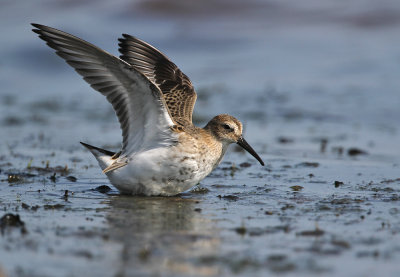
pixel 313 83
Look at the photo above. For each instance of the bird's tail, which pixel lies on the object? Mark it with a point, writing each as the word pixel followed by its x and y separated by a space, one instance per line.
pixel 104 157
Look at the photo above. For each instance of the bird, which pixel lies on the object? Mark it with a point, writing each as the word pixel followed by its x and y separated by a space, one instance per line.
pixel 163 153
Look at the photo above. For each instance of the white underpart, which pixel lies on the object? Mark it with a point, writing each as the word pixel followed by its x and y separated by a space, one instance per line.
pixel 159 171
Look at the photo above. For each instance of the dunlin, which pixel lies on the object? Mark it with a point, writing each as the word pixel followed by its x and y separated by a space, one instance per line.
pixel 162 153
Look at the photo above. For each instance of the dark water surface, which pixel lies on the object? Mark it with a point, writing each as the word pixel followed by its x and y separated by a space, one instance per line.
pixel 317 87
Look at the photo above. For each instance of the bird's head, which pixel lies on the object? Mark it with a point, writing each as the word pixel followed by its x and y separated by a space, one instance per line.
pixel 227 130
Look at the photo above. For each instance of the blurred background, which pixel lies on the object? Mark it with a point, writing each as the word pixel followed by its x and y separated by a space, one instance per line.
pixel 317 86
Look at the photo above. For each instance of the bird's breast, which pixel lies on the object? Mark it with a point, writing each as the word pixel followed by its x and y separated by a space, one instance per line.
pixel 167 170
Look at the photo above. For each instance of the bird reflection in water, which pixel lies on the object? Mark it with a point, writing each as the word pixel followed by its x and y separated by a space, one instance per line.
pixel 162 235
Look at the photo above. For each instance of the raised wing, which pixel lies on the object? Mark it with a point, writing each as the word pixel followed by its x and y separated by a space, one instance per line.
pixel 176 87
pixel 140 106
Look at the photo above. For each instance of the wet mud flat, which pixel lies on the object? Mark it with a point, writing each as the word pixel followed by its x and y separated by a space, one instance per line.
pixel 325 215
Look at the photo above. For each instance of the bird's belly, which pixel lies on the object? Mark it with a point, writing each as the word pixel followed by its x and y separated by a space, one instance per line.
pixel 162 171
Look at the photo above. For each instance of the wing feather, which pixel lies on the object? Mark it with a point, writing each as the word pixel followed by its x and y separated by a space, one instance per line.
pixel 139 104
pixel 176 87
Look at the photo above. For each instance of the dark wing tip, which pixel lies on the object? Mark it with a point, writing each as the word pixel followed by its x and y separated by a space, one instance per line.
pixel 36 25
pixel 39 27
pixel 123 42
pixel 123 39
pixel 41 30
pixel 122 45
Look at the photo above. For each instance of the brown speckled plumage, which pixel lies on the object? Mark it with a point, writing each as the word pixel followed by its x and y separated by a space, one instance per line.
pixel 176 87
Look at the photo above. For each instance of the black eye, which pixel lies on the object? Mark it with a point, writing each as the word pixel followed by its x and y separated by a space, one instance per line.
pixel 226 127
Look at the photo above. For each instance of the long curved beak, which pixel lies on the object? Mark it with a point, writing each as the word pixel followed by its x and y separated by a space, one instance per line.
pixel 243 143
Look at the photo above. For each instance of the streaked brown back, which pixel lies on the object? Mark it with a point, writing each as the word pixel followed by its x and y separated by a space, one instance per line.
pixel 176 87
